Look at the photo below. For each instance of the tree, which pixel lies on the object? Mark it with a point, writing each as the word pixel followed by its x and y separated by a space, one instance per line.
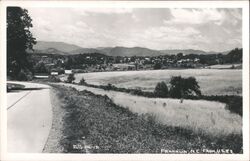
pixel 183 87
pixel 161 89
pixel 179 56
pixel 19 39
pixel 234 56
pixel 70 78
pixel 157 65
pixel 82 81
pixel 40 68
pixel 69 63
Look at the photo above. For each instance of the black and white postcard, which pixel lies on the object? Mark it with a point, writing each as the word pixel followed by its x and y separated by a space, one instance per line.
pixel 124 80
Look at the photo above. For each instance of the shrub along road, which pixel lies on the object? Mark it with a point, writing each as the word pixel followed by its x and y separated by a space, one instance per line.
pixel 29 118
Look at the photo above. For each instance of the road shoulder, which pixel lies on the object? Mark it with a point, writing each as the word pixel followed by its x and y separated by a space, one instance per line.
pixel 53 143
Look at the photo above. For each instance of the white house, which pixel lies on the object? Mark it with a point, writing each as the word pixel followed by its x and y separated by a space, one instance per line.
pixel 54 73
pixel 124 66
pixel 68 71
pixel 41 76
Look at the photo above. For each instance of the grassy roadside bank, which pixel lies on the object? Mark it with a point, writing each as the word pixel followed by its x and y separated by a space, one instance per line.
pixel 95 124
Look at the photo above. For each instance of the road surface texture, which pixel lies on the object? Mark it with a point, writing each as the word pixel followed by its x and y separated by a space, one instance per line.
pixel 29 118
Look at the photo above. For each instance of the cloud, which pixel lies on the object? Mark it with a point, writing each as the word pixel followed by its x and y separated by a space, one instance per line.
pixel 108 11
pixel 195 16
pixel 159 32
pixel 156 28
pixel 170 37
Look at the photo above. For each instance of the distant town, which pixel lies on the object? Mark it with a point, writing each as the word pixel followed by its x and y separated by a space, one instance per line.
pixel 56 64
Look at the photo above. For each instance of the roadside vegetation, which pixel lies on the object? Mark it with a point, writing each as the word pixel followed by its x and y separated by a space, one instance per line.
pixel 209 117
pixel 94 123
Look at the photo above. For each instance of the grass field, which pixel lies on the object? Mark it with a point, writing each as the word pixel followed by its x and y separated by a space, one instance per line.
pixel 99 123
pixel 211 81
pixel 200 116
pixel 226 66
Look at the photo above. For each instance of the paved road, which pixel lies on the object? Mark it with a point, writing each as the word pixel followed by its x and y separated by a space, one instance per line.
pixel 29 118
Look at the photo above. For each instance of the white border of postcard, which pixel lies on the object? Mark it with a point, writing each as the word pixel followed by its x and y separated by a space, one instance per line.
pixel 127 4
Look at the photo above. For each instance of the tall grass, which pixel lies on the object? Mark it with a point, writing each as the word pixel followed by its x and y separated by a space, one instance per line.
pixel 200 116
pixel 97 121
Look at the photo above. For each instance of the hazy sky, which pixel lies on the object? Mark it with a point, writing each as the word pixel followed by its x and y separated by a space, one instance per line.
pixel 204 29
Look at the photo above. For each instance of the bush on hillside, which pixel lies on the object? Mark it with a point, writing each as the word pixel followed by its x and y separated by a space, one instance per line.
pixel 71 78
pixel 184 87
pixel 109 86
pixel 53 78
pixel 235 105
pixel 24 75
pixel 157 65
pixel 161 90
pixel 82 81
pixel 137 91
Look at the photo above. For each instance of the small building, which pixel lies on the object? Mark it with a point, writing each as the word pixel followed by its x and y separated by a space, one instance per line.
pixel 54 73
pixel 124 66
pixel 196 60
pixel 41 75
pixel 68 71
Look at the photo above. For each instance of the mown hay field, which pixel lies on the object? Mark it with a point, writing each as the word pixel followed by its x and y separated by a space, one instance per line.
pixel 211 81
pixel 200 116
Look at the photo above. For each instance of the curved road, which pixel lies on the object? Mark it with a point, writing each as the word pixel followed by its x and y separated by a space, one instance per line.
pixel 29 118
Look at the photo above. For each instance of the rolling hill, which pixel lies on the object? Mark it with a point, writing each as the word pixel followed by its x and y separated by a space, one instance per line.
pixel 49 51
pixel 85 50
pixel 187 51
pixel 60 46
pixel 135 51
pixel 70 49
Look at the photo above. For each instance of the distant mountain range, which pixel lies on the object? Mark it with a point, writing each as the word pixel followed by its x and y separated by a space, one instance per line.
pixel 70 49
pixel 61 46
